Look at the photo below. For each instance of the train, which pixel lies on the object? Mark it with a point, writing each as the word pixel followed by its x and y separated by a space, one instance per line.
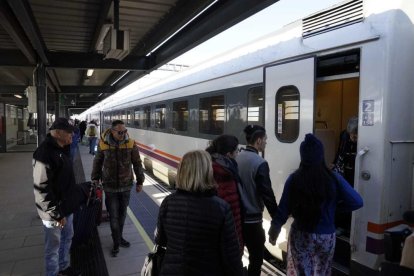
pixel 353 59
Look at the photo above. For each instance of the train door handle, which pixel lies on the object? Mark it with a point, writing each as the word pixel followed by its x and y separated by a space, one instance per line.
pixel 365 175
pixel 355 222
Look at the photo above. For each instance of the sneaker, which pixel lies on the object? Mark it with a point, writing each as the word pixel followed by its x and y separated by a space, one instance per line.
pixel 69 271
pixel 114 251
pixel 124 243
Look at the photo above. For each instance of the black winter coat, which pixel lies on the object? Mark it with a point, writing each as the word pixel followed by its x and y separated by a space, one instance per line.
pixel 56 193
pixel 199 233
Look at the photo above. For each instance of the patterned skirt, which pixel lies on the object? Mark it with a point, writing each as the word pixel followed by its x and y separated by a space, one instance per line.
pixel 310 254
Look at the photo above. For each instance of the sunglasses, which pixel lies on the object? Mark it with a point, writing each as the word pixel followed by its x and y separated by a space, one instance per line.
pixel 121 132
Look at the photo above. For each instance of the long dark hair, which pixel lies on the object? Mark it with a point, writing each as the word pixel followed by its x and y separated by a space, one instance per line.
pixel 311 187
pixel 223 144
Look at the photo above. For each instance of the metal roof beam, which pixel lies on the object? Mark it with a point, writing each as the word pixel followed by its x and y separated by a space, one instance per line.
pixel 83 105
pixel 165 28
pixel 11 89
pixel 85 89
pixel 13 58
pixel 12 27
pixel 219 17
pixel 77 60
pixel 170 24
pixel 103 14
pixel 54 80
pixel 24 14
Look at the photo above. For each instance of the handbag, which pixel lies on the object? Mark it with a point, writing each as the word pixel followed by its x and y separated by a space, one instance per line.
pixel 153 262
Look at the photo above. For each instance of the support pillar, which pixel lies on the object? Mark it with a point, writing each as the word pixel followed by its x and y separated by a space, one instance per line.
pixel 40 81
pixel 57 112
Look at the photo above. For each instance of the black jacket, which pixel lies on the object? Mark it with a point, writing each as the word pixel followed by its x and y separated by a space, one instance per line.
pixel 56 193
pixel 199 233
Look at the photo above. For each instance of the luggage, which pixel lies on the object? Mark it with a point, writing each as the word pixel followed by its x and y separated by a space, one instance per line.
pixel 87 218
pixel 153 261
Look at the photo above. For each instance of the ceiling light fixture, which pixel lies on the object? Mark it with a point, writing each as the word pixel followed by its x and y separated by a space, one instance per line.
pixel 89 73
pixel 18 96
pixel 123 75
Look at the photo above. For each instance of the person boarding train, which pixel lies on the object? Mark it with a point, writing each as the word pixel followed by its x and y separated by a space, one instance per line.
pixel 311 195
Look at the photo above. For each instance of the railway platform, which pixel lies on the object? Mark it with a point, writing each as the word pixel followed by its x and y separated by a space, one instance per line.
pixel 21 233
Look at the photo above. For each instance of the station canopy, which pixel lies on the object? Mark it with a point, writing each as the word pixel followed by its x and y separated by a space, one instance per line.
pixel 93 48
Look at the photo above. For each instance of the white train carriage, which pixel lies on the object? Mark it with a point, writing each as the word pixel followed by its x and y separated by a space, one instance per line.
pixel 354 59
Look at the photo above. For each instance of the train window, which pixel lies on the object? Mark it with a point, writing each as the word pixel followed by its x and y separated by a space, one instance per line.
pixel 255 108
pixel 146 120
pixel 287 114
pixel 107 117
pixel 212 115
pixel 138 117
pixel 129 117
pixel 123 116
pixel 180 115
pixel 159 116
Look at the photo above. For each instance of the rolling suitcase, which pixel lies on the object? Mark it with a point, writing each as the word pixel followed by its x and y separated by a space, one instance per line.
pixel 87 217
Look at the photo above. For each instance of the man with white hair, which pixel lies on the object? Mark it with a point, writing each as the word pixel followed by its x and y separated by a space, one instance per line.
pixel 57 196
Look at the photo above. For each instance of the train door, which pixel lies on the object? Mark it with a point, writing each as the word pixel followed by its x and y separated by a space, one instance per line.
pixel 289 96
pixel 311 95
pixel 336 103
pixel 289 90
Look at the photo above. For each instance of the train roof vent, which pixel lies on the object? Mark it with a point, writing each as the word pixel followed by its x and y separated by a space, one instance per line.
pixel 339 16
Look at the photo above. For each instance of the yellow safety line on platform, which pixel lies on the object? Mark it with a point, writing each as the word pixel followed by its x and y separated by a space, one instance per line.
pixel 141 230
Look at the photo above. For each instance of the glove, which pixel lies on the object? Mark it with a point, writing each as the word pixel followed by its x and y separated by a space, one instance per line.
pixel 273 234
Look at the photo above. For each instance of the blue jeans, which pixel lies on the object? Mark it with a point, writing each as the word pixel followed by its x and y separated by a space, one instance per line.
pixel 73 149
pixel 92 144
pixel 57 246
pixel 117 204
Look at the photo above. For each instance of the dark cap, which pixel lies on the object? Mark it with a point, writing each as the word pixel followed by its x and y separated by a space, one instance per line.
pixel 63 124
pixel 311 150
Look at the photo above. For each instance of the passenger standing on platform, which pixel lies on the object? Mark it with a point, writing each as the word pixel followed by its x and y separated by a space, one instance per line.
pixel 56 195
pixel 82 129
pixel 223 150
pixel 256 192
pixel 196 226
pixel 116 155
pixel 75 139
pixel 311 195
pixel 92 133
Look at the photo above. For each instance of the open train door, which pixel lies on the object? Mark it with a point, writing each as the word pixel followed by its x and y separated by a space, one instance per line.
pixel 289 92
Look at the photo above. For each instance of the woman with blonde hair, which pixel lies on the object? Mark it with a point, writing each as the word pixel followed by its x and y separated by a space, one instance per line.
pixel 195 225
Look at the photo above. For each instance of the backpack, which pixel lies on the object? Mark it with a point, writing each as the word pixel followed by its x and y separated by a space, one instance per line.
pixel 92 131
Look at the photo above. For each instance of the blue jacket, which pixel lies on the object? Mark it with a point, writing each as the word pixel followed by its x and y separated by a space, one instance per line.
pixel 349 198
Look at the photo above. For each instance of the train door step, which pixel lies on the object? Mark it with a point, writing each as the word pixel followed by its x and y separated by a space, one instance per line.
pixel 339 270
pixel 342 254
